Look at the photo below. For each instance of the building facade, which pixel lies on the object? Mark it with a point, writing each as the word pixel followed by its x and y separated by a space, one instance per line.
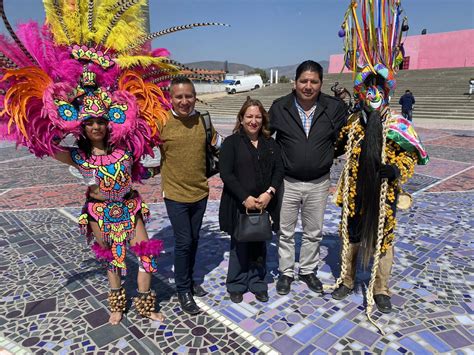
pixel 438 50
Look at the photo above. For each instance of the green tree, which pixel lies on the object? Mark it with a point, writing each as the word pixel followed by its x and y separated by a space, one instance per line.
pixel 262 73
pixel 283 79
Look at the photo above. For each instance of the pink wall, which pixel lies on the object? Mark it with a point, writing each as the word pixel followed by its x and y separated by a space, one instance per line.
pixel 437 50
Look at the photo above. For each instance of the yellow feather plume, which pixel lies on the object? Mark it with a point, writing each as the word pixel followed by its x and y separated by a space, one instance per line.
pixel 146 61
pixel 72 19
pixel 120 28
pixel 128 28
pixel 54 22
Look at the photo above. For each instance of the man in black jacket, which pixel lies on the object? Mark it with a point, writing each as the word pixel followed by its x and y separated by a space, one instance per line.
pixel 306 123
pixel 407 101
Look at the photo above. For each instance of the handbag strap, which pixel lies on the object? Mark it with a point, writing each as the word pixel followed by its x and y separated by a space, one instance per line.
pixel 247 210
pixel 206 120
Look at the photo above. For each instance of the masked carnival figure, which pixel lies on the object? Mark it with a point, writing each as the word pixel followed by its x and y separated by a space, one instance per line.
pixel 88 72
pixel 381 148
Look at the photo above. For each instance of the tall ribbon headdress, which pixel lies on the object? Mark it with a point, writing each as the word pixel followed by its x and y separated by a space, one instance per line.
pixel 372 32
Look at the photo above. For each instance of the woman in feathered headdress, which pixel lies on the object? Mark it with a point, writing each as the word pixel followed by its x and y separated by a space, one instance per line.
pixel 381 147
pixel 87 73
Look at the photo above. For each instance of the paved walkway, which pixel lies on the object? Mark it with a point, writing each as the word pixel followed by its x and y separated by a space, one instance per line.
pixel 53 297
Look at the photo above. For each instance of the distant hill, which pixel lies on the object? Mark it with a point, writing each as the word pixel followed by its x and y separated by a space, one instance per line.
pixel 286 70
pixel 216 65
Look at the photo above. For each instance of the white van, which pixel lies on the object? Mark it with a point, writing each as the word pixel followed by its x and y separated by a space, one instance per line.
pixel 244 83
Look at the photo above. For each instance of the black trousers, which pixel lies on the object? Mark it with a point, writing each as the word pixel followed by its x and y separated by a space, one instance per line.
pixel 247 267
pixel 186 220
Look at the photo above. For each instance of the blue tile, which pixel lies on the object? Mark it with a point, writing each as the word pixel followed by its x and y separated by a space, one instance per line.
pixel 405 246
pixel 323 323
pixel 430 240
pixel 306 334
pixel 213 348
pixel 236 313
pixel 231 315
pixel 342 328
pixel 414 346
pixel 434 341
pixel 405 285
pixel 260 328
pixel 307 351
pixel 422 292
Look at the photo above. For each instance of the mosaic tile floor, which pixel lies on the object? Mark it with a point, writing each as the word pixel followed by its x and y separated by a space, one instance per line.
pixel 53 296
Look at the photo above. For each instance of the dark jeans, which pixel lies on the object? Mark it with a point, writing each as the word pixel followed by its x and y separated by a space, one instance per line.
pixel 186 220
pixel 408 115
pixel 247 267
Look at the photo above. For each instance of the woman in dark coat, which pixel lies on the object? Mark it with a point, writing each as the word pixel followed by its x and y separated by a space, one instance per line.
pixel 252 171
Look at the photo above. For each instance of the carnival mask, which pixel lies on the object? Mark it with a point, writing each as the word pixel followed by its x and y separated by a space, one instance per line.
pixel 373 88
pixel 375 98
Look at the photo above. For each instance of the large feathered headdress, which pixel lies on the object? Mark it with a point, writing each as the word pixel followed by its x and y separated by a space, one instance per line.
pixel 90 59
pixel 372 32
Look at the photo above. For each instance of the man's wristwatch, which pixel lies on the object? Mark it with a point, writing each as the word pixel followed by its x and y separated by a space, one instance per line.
pixel 270 191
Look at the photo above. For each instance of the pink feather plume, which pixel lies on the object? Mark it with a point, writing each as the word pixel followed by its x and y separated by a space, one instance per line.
pixel 148 247
pixel 102 254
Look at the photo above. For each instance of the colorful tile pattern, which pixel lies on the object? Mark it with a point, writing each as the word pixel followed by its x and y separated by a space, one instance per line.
pixel 53 295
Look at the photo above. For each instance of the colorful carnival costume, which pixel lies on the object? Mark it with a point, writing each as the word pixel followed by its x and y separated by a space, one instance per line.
pixel 381 148
pixel 91 59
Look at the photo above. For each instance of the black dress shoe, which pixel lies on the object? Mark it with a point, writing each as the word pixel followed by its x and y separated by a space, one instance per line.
pixel 341 292
pixel 198 291
pixel 283 285
pixel 236 297
pixel 262 296
pixel 312 281
pixel 187 303
pixel 383 303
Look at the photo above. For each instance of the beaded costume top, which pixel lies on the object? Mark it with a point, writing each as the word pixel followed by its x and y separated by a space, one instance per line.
pixel 112 173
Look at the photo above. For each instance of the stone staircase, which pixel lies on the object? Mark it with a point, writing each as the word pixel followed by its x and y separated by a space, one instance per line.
pixel 439 93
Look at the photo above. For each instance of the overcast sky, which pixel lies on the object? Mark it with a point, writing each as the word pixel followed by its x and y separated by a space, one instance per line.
pixel 266 33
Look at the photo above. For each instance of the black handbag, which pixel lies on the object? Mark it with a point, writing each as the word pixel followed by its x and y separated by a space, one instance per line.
pixel 253 227
pixel 212 153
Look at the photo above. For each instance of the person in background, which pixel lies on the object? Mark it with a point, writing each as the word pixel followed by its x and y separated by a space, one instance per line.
pixel 252 171
pixel 407 101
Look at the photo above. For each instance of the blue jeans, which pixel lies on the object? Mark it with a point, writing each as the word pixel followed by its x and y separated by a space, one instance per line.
pixel 186 220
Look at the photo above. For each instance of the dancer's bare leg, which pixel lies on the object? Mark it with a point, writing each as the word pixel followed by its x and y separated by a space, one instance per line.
pixel 114 278
pixel 144 278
